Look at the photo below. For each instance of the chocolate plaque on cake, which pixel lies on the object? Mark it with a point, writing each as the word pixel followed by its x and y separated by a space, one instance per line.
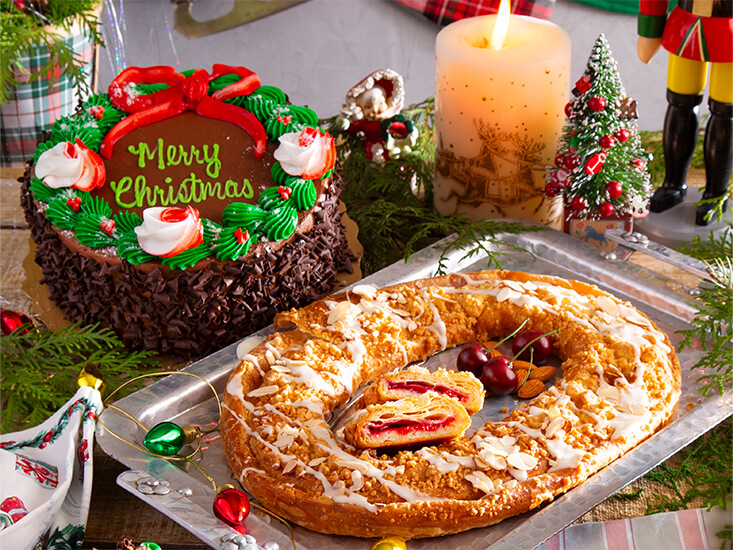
pixel 186 160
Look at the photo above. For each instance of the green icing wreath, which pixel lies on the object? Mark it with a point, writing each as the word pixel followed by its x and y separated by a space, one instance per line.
pixel 275 217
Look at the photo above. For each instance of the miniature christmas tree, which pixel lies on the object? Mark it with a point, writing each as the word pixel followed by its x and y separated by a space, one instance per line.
pixel 600 165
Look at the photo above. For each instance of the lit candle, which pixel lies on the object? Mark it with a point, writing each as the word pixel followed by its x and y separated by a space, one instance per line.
pixel 499 105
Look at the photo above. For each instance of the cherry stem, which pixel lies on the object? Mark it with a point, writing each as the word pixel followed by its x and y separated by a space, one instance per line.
pixel 500 342
pixel 528 344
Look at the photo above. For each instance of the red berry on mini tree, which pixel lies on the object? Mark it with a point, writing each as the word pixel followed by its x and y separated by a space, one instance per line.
pixel 559 160
pixel 606 209
pixel 578 204
pixel 550 190
pixel 607 141
pixel 622 135
pixel 597 103
pixel 571 161
pixel 614 189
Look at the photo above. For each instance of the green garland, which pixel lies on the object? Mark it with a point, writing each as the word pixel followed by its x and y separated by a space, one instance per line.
pixel 40 368
pixel 392 202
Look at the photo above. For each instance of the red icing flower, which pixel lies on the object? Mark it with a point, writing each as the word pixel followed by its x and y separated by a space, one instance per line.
pixel 71 165
pixel 166 232
pixel 309 153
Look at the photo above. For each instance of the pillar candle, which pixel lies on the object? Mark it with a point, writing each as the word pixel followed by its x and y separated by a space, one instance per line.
pixel 499 114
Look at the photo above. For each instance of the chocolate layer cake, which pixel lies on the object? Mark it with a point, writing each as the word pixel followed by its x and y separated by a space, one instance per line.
pixel 183 210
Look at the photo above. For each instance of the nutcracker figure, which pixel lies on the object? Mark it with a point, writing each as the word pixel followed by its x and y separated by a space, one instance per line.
pixel 698 34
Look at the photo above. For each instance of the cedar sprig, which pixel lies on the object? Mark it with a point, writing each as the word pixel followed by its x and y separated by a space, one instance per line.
pixel 22 32
pixel 711 328
pixel 40 368
pixel 703 472
pixel 711 247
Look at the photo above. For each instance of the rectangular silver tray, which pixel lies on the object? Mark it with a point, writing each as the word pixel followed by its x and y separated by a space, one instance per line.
pixel 185 400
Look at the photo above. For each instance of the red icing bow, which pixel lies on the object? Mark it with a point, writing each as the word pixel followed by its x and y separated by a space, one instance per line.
pixel 183 94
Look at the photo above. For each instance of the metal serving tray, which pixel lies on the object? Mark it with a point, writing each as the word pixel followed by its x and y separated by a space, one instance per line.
pixel 185 400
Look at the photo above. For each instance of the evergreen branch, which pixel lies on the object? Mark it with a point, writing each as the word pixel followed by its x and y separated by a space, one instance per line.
pixel 704 472
pixel 711 327
pixel 40 368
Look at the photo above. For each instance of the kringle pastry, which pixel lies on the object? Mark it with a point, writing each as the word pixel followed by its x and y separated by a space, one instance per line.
pixel 620 383
pixel 464 387
pixel 427 419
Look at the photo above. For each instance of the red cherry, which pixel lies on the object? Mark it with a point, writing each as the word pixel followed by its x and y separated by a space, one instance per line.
pixel 578 203
pixel 571 161
pixel 472 358
pixel 614 189
pixel 607 142
pixel 606 209
pixel 550 191
pixel 622 134
pixel 231 506
pixel 498 377
pixel 10 321
pixel 542 346
pixel 597 103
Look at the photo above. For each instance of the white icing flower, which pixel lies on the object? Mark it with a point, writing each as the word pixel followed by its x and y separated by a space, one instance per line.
pixel 71 165
pixel 166 232
pixel 309 153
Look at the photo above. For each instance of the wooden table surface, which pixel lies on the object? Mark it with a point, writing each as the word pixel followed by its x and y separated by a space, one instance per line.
pixel 116 513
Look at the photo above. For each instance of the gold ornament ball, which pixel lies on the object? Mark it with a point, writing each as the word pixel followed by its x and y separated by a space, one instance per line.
pixel 390 543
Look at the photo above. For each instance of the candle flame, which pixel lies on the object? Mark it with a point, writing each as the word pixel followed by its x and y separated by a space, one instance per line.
pixel 501 26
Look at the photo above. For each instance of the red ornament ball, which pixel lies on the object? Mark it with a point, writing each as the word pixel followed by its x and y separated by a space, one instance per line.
pixel 622 134
pixel 607 142
pixel 606 209
pixel 559 160
pixel 597 103
pixel 571 161
pixel 568 109
pixel 614 189
pixel 11 321
pixel 231 506
pixel 578 203
pixel 550 191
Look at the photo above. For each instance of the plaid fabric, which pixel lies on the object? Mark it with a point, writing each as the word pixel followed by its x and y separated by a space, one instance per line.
pixel 37 105
pixel 447 11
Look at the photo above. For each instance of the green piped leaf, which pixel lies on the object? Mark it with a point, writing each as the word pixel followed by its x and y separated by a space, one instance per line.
pixel 281 177
pixel 188 258
pixel 304 194
pixel 42 192
pixel 97 207
pixel 71 128
pixel 61 214
pixel 110 114
pixel 227 246
pixel 211 229
pixel 281 222
pixel 270 199
pixel 90 231
pixel 129 249
pixel 304 115
pixel 127 221
pixel 241 214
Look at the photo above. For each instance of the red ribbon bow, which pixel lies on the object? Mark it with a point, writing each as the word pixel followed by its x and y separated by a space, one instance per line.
pixel 183 94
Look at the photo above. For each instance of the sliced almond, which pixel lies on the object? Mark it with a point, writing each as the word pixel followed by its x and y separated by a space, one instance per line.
pixel 532 388
pixel 542 373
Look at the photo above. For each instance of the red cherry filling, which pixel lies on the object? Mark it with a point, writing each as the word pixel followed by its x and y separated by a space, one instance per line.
pixel 418 387
pixel 405 426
